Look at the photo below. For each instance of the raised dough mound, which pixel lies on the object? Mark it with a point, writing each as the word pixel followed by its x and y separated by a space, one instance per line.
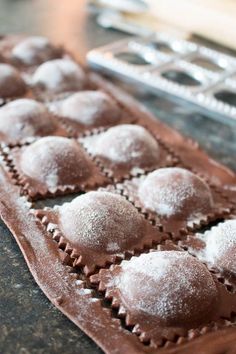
pixel 221 246
pixel 172 286
pixel 101 221
pixel 175 191
pixel 91 108
pixel 24 118
pixel 55 161
pixel 59 75
pixel 34 50
pixel 11 82
pixel 128 144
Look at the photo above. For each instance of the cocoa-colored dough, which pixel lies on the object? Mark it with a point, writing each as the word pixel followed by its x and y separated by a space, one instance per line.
pixel 176 192
pixel 90 108
pixel 25 118
pixel 55 161
pixel 34 51
pixel 11 82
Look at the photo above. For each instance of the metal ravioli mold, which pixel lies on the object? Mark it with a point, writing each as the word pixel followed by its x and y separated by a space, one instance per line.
pixel 184 70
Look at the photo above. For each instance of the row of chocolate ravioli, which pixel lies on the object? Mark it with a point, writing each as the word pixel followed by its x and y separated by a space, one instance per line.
pixel 157 204
pixel 45 72
pixel 163 295
pixel 150 276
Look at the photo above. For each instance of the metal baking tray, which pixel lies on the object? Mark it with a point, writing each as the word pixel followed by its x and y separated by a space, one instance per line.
pixel 179 69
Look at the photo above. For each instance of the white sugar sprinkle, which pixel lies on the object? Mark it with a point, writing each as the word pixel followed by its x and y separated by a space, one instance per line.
pixel 127 143
pixel 6 71
pixel 59 75
pixel 167 190
pixel 28 50
pixel 101 221
pixel 24 118
pixel 49 158
pixel 219 241
pixel 9 75
pixel 83 291
pixel 90 108
pixel 169 284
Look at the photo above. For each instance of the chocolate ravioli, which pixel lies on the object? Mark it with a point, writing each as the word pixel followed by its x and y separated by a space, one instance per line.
pixel 216 247
pixel 126 149
pixel 55 165
pixel 175 192
pixel 175 198
pixel 89 109
pixel 34 50
pixel 146 303
pixel 11 82
pixel 59 76
pixel 25 118
pixel 99 227
pixel 164 294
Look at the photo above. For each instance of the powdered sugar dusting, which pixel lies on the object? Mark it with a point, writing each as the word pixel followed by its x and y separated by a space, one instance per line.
pixel 169 284
pixel 33 50
pixel 102 221
pixel 25 106
pixel 84 291
pixel 220 246
pixel 127 143
pixel 90 108
pixel 9 75
pixel 52 179
pixel 59 75
pixel 11 82
pixel 169 191
pixel 54 160
pixel 7 71
pixel 24 118
pixel 29 234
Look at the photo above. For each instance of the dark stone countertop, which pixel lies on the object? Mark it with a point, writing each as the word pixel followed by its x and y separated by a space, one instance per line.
pixel 29 324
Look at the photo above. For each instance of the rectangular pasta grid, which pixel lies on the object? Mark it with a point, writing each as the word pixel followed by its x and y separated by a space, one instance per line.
pixel 80 161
